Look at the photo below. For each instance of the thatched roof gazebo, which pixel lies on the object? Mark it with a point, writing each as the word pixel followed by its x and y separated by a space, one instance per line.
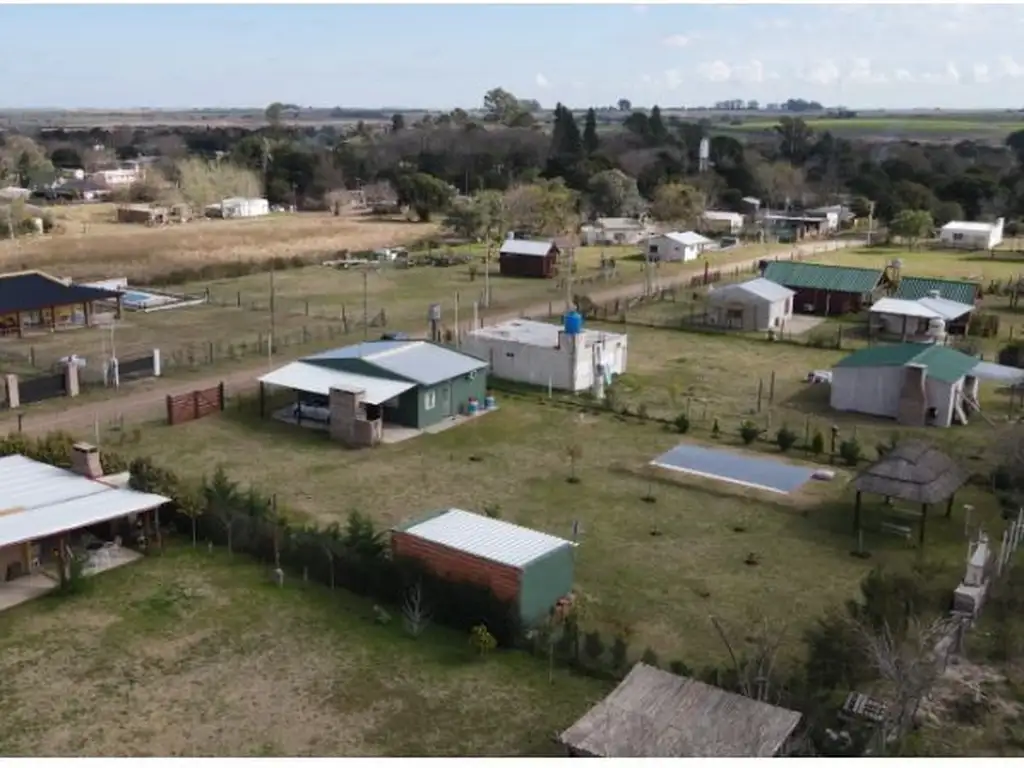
pixel 912 471
pixel 653 713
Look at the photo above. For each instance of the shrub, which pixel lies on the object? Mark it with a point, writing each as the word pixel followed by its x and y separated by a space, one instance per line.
pixel 593 647
pixel 682 423
pixel 716 431
pixel 749 432
pixel 785 438
pixel 619 653
pixel 481 641
pixel 818 444
pixel 679 668
pixel 850 451
pixel 649 657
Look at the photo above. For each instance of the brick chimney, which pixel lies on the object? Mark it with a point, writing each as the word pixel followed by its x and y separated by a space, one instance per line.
pixel 85 460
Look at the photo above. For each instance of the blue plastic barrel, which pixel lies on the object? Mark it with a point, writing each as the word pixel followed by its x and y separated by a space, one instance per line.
pixel 471 408
pixel 573 323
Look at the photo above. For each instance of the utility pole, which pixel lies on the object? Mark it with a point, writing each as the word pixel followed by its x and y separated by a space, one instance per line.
pixel 487 276
pixel 366 307
pixel 871 220
pixel 273 313
pixel 568 280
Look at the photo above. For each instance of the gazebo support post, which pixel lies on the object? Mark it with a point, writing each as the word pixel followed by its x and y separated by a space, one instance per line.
pixel 263 400
pixel 856 513
pixel 949 506
pixel 924 519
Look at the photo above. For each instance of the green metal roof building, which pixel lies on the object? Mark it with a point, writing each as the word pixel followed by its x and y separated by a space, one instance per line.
pixel 825 289
pixel 917 384
pixel 914 288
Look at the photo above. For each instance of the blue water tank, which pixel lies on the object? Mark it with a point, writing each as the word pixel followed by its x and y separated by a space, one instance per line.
pixel 573 323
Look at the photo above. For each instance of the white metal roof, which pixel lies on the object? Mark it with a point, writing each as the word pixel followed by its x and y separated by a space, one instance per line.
pixel 527 247
pixel 535 333
pixel 723 216
pixel 904 308
pixel 927 307
pixel 318 380
pixel 38 500
pixel 487 538
pixel 759 287
pixel 968 226
pixel 687 238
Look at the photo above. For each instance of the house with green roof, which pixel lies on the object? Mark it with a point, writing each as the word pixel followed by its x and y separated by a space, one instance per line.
pixel 916 384
pixel 914 288
pixel 826 289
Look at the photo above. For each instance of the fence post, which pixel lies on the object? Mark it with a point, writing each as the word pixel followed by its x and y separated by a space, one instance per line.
pixel 307 307
pixel 238 299
pixel 21 420
pixel 220 394
pixel 32 352
pixel 195 404
pixel 170 411
pixel 209 351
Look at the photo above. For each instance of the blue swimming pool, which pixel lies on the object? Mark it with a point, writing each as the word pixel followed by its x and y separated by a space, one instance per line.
pixel 751 471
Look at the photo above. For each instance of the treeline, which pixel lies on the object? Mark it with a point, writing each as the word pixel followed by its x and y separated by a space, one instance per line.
pixel 503 148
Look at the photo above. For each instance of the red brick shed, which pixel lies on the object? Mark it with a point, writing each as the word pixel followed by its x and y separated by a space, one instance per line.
pixel 528 258
pixel 520 565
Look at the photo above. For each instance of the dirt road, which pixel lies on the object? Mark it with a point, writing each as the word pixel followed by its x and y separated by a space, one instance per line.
pixel 139 406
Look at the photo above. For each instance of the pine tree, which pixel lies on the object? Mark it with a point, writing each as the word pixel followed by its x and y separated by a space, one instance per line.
pixel 657 126
pixel 590 140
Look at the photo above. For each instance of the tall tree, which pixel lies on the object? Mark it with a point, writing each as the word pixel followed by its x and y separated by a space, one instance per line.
pixel 613 193
pixel 795 138
pixel 912 226
pixel 624 105
pixel 591 142
pixel 397 122
pixel 424 193
pixel 656 125
pixel 676 204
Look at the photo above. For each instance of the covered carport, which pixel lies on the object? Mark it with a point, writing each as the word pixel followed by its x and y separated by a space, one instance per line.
pixel 312 385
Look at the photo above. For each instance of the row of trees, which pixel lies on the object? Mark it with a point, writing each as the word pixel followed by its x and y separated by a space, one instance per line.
pixel 613 169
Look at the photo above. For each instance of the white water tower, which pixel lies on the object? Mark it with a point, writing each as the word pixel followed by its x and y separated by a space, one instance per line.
pixel 704 155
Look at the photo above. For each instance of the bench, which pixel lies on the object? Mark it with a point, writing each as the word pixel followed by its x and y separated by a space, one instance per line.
pixel 896 529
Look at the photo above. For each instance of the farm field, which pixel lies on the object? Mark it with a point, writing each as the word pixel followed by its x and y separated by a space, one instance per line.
pixel 900 127
pixel 92 245
pixel 192 654
pixel 655 570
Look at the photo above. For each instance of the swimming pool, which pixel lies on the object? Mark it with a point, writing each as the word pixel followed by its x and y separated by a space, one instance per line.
pixel 753 472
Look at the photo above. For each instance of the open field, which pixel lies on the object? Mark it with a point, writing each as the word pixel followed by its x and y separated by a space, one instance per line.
pixel 191 654
pixel 994 128
pixel 93 245
pixel 661 587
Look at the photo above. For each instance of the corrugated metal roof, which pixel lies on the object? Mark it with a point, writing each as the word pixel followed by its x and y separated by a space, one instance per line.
pixel 687 238
pixel 420 361
pixel 615 222
pixel 39 500
pixel 949 310
pixel 920 287
pixel 723 216
pixel 943 363
pixel 969 226
pixel 319 380
pixel 826 277
pixel 903 308
pixel 495 540
pixel 526 247
pixel 535 333
pixel 759 287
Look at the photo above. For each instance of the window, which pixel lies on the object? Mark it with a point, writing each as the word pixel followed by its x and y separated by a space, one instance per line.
pixel 429 400
pixel 652 249
pixel 958 235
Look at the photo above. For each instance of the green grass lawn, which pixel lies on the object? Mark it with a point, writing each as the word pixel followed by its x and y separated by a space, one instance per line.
pixel 655 570
pixel 190 654
pixel 901 127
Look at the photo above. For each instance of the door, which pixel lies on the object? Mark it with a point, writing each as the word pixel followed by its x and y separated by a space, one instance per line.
pixel 446 400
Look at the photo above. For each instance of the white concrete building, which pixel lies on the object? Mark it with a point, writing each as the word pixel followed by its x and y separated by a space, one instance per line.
pixel 614 231
pixel 723 221
pixel 972 235
pixel 756 305
pixel 916 384
pixel 917 318
pixel 543 354
pixel 239 208
pixel 115 177
pixel 676 246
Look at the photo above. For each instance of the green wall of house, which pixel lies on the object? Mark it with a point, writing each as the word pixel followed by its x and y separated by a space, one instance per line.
pixel 543 582
pixel 461 389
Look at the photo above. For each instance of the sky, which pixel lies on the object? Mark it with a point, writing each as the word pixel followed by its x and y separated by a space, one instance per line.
pixel 443 56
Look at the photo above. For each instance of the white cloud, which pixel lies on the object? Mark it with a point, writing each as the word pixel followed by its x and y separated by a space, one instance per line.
pixel 715 71
pixel 541 81
pixel 905 76
pixel 646 79
pixel 823 73
pixel 1010 68
pixel 949 76
pixel 862 73
pixel 982 74
pixel 676 41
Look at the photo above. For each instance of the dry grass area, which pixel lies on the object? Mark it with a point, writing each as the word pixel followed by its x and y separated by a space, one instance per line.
pixel 192 654
pixel 91 244
pixel 657 569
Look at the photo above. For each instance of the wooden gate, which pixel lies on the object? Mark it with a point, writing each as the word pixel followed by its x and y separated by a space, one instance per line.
pixel 195 404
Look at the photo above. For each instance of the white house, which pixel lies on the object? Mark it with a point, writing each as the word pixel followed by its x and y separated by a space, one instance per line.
pixel 239 208
pixel 972 235
pixel 917 318
pixel 676 246
pixel 545 355
pixel 614 231
pixel 916 384
pixel 723 221
pixel 756 305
